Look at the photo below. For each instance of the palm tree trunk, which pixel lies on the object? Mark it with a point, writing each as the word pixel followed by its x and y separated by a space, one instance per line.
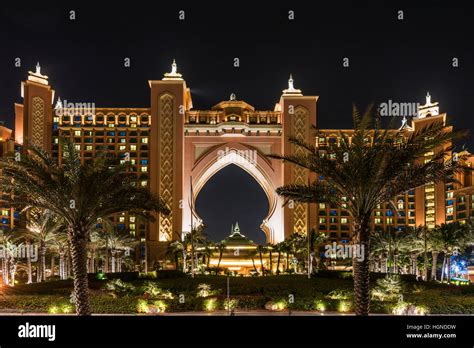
pixel 261 263
pixel 112 262
pixel 52 266
pixel 434 265
pixel 220 258
pixel 62 266
pixel 443 268
pixel 278 262
pixel 28 262
pixel 78 245
pixel 361 234
pixel 43 262
pixel 448 266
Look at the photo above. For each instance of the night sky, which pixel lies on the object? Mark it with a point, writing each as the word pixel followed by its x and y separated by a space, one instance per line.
pixel 389 59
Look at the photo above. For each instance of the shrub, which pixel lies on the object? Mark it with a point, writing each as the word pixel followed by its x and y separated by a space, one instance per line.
pixel 388 288
pixel 340 294
pixel 119 288
pixel 153 291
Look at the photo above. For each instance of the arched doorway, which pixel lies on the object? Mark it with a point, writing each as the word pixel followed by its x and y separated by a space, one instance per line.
pixel 257 165
pixel 231 195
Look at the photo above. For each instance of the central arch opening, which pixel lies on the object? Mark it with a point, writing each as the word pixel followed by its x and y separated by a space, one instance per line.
pixel 232 195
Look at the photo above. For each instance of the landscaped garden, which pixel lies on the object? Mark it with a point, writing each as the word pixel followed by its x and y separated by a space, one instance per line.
pixel 165 291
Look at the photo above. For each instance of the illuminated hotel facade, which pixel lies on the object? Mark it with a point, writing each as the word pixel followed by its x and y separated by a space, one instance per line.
pixel 170 145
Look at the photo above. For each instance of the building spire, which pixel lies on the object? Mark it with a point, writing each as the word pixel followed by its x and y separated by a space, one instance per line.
pixel 291 87
pixel 38 68
pixel 173 75
pixel 291 90
pixel 59 104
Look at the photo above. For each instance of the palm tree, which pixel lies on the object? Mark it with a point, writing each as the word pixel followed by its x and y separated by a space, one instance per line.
pixel 60 246
pixel 42 228
pixel 315 241
pixel 174 250
pixel 392 243
pixel 80 194
pixel 220 246
pixel 116 240
pixel 7 244
pixel 367 168
pixel 261 250
pixel 279 247
pixel 451 237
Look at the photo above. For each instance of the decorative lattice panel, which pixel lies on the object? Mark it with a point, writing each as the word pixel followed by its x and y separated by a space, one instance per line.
pixel 37 122
pixel 300 128
pixel 166 137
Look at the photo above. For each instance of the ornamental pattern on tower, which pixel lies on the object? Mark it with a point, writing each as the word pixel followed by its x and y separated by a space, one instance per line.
pixel 166 164
pixel 37 128
pixel 300 127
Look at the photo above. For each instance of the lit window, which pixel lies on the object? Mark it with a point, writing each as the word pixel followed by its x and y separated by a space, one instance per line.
pixel 78 147
pixel 132 218
pixel 378 221
pixel 322 220
pixel 122 147
pixel 121 219
pixel 77 133
pixel 343 220
pixel 133 147
pixel 89 147
pixel 322 205
pixel 132 226
pixel 145 140
pixel 143 183
pixel 133 119
pixel 144 169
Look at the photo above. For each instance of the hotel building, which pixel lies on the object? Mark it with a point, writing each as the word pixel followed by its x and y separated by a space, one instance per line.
pixel 170 146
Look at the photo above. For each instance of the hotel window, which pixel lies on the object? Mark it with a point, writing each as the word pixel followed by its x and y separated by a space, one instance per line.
pixel 133 118
pixel 121 219
pixel 450 195
pixel 122 147
pixel 343 220
pixel 144 169
pixel 400 204
pixel 132 162
pixel 132 226
pixel 378 213
pixel 55 119
pixel 322 220
pixel 89 148
pixel 133 147
pixel 78 147
pixel 5 212
pixel 450 210
pixel 333 220
pixel 143 183
pixel 378 221
pixel 389 221
pixel 111 125
pixel 144 140
pixel 322 205
pixel 132 219
pixel 123 140
pixel 77 133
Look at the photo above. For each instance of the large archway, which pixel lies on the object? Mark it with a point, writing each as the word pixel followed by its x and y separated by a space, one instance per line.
pixel 231 195
pixel 256 164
